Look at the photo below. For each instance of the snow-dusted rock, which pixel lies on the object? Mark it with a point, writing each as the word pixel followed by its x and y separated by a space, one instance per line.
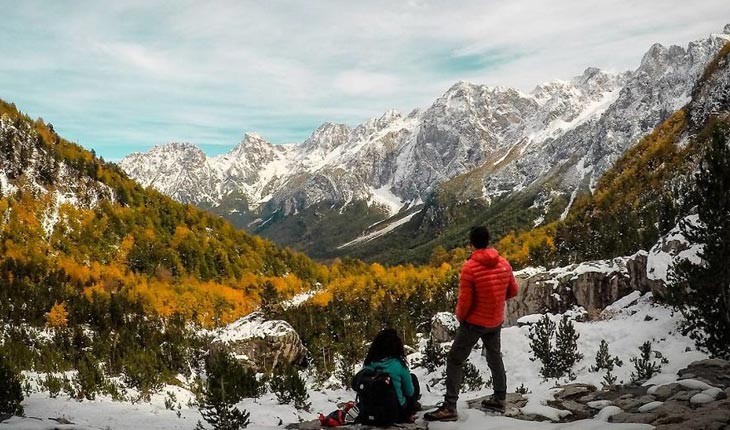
pixel 443 327
pixel 701 399
pixel 712 371
pixel 669 250
pixel 591 285
pixel 263 345
pixel 650 406
pixel 606 413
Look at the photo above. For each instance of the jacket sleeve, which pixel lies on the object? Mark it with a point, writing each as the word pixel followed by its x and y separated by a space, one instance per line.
pixel 466 293
pixel 512 287
pixel 407 382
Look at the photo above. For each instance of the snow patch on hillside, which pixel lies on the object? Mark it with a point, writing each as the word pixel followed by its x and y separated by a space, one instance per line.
pixel 252 326
pixel 671 249
pixel 384 197
pixel 387 229
pixel 635 314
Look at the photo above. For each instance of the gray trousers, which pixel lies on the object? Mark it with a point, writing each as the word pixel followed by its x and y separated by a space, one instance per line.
pixel 466 337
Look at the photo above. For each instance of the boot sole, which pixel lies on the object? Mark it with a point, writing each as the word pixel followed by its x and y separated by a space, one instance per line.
pixel 450 419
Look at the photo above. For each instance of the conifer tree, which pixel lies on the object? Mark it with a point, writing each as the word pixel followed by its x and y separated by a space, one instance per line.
pixel 701 292
pixel 644 367
pixel 566 345
pixel 11 393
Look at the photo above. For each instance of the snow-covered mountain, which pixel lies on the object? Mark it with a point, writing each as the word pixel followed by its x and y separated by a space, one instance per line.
pixel 556 140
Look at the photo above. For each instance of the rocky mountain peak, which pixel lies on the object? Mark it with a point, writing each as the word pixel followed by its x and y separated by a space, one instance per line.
pixel 327 137
pixel 568 131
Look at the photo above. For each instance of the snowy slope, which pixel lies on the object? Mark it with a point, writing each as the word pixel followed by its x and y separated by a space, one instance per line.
pixel 628 315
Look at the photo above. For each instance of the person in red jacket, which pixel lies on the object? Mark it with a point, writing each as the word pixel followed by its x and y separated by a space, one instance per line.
pixel 485 284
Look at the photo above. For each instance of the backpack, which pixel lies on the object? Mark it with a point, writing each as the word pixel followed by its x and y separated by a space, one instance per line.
pixel 376 398
pixel 345 414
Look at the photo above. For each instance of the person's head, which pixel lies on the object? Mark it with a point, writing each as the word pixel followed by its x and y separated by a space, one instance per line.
pixel 387 344
pixel 479 237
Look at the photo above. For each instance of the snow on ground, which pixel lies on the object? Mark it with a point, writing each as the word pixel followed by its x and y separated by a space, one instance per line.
pixel 672 248
pixel 384 197
pixel 377 233
pixel 253 326
pixel 627 324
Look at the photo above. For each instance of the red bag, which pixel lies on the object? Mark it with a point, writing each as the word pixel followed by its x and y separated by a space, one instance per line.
pixel 337 418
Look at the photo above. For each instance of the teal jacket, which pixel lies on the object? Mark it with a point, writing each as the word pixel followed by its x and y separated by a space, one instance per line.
pixel 400 375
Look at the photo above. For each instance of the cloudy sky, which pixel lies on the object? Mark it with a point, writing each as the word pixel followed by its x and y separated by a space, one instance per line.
pixel 122 76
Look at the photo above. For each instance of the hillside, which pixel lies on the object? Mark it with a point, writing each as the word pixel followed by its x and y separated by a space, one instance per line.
pixel 644 194
pixel 75 226
pixel 107 288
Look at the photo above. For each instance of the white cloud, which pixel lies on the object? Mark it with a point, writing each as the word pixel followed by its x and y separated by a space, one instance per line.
pixel 362 83
pixel 184 68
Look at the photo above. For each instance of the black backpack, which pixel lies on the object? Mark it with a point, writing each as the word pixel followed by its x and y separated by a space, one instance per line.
pixel 376 398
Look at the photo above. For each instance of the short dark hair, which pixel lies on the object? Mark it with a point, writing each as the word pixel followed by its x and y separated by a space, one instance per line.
pixel 479 236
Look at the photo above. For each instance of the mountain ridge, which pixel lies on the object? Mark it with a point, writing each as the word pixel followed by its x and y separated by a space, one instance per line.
pixel 556 140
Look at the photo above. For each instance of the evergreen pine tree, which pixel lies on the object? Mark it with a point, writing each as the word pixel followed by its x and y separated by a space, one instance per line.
pixel 541 334
pixel 11 393
pixel 604 360
pixel 566 345
pixel 701 292
pixel 644 367
pixel 290 388
pixel 434 355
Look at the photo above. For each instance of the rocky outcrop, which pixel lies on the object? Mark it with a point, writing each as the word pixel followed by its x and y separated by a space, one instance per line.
pixel 592 285
pixel 443 327
pixel 688 403
pixel 263 345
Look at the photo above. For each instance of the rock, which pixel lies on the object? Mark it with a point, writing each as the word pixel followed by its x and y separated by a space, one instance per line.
pixel 713 392
pixel 628 403
pixel 592 397
pixel 694 384
pixel 663 392
pixel 263 345
pixel 670 408
pixel 592 285
pixel 599 404
pixel 316 425
pixel 713 371
pixel 606 413
pixel 443 327
pixel 514 401
pixel 579 410
pixel 573 391
pixel 683 396
pixel 650 406
pixel 715 415
pixel 700 399
pixel 626 417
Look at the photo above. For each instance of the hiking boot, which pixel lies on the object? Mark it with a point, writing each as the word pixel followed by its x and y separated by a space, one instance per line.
pixel 443 413
pixel 493 403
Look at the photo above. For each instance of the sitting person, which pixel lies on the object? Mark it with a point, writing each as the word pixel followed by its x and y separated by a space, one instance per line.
pixel 387 354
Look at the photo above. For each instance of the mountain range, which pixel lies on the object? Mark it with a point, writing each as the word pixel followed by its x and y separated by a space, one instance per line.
pixel 394 187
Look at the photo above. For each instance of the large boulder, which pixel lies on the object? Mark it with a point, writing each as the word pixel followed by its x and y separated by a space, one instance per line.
pixel 263 345
pixel 443 327
pixel 592 285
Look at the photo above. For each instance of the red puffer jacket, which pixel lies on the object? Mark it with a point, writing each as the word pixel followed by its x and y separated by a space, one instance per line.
pixel 486 283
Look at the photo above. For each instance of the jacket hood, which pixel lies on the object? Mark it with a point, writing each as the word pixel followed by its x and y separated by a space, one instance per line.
pixel 488 257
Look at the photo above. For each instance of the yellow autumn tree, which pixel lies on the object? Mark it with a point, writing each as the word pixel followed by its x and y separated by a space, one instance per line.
pixel 57 317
